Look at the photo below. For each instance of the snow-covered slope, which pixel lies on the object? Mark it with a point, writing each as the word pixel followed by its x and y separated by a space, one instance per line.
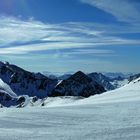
pixel 114 115
pixel 118 79
pixel 129 92
pixel 119 83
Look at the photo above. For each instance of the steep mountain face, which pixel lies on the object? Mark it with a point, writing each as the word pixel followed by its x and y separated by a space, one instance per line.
pixel 79 84
pixel 9 98
pixel 101 80
pixel 26 83
pixel 109 82
pixel 136 76
pixel 118 79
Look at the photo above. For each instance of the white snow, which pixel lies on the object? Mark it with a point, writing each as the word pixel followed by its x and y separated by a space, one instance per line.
pixel 129 92
pixel 7 89
pixel 60 81
pixel 119 83
pixel 114 115
pixel 27 100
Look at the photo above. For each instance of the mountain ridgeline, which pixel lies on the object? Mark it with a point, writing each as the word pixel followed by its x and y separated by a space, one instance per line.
pixel 79 84
pixel 26 83
pixel 23 82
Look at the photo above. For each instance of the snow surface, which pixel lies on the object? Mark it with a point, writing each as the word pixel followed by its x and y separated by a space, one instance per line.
pixel 114 115
pixel 7 89
pixel 129 92
pixel 27 100
pixel 119 83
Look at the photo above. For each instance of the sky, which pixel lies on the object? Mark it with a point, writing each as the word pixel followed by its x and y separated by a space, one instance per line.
pixel 61 36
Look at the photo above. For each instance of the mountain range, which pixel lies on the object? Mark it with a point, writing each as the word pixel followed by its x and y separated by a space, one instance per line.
pixel 18 86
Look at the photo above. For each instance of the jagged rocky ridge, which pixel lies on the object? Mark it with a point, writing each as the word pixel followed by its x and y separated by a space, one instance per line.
pixel 79 84
pixel 26 83
pixel 23 82
pixel 102 80
pixel 133 77
pixel 109 83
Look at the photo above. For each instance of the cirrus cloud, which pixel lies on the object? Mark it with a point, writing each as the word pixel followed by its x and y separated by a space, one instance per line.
pixel 22 37
pixel 123 10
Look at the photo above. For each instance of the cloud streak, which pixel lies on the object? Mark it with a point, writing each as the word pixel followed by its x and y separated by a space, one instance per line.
pixel 22 37
pixel 122 10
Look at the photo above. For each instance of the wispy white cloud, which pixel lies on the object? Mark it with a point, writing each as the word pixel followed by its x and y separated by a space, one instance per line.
pixel 123 10
pixel 21 37
pixel 23 49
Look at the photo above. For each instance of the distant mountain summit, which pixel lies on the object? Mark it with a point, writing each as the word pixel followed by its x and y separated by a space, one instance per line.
pixel 79 84
pixel 102 80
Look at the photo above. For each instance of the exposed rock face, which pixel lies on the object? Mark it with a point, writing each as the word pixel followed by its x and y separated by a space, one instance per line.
pixel 101 80
pixel 136 76
pixel 26 83
pixel 79 84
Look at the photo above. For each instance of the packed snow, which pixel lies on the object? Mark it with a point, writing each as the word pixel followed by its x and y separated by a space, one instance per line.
pixel 114 115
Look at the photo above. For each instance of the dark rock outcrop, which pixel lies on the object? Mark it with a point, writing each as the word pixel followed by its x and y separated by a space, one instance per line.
pixel 79 84
pixel 134 77
pixel 23 82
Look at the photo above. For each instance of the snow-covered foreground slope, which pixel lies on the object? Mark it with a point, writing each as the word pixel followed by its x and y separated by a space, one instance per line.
pixel 114 115
pixel 129 92
pixel 97 122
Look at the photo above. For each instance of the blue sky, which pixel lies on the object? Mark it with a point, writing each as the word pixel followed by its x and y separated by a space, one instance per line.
pixel 71 35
